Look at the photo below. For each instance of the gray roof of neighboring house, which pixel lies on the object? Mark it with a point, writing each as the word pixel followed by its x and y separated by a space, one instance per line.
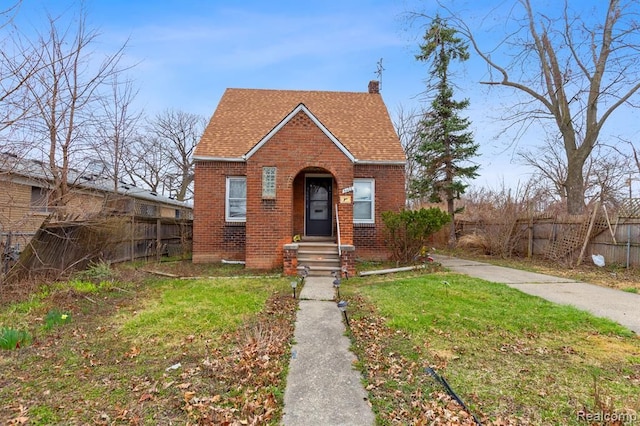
pixel 39 171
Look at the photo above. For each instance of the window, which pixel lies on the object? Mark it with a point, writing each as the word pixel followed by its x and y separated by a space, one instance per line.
pixel 268 182
pixel 39 199
pixel 363 201
pixel 147 210
pixel 236 199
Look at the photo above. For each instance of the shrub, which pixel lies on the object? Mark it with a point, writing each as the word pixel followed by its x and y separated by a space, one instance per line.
pixel 13 339
pixel 407 231
pixel 98 272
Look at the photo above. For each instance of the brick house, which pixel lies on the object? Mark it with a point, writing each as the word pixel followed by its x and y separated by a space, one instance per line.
pixel 291 178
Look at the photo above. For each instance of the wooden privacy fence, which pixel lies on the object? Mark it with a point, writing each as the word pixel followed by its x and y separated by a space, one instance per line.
pixel 567 239
pixel 58 247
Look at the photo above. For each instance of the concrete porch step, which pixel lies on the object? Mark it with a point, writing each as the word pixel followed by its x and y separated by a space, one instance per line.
pixel 320 256
pixel 320 270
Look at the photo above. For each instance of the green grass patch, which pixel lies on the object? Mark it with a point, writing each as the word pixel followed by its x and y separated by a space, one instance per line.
pixel 55 317
pixel 11 338
pixel 461 304
pixel 110 363
pixel 506 353
pixel 191 307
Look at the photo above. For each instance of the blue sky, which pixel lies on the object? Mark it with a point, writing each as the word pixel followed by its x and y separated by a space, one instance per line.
pixel 189 51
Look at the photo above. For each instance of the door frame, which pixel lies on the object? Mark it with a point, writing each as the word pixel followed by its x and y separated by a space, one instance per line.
pixel 327 176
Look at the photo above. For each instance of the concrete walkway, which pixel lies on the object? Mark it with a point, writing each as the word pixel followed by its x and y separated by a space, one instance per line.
pixel 323 387
pixel 617 305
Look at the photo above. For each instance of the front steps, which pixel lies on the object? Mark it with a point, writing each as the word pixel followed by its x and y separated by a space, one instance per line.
pixel 320 256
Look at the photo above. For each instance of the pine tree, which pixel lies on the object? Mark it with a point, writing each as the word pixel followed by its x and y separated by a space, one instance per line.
pixel 446 146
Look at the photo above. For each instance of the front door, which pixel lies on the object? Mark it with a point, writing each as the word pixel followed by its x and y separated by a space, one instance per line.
pixel 318 206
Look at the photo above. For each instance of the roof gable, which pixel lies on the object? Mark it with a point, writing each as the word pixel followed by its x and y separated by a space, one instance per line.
pixel 357 122
pixel 288 118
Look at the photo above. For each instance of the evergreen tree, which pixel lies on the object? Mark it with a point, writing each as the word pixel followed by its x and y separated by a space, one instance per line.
pixel 446 146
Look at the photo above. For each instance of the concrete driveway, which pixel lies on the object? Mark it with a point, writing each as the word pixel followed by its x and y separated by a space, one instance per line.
pixel 620 306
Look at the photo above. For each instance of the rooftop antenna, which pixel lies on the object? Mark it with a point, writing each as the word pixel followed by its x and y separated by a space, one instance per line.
pixel 379 69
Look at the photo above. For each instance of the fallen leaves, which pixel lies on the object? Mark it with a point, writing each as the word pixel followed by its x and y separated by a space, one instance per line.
pixel 21 418
pixel 389 374
pixel 133 352
pixel 248 374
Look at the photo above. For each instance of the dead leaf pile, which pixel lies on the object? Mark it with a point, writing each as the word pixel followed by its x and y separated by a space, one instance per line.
pixel 249 375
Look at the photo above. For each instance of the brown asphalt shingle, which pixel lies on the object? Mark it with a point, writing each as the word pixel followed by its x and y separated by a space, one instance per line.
pixel 359 120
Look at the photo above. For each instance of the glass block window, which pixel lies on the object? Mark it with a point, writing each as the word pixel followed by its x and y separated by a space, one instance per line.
pixel 268 182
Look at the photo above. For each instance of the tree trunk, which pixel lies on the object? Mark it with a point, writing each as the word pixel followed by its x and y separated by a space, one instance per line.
pixel 575 187
pixel 452 225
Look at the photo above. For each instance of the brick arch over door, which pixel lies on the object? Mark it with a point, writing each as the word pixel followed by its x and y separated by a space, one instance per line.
pixel 300 196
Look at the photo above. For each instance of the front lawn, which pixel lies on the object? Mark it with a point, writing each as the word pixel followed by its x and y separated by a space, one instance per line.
pixel 512 358
pixel 157 351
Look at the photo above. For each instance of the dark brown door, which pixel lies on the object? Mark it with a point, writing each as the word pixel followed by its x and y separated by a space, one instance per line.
pixel 318 206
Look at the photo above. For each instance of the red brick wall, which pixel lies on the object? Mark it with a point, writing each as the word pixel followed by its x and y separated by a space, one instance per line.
pixel 390 195
pixel 298 205
pixel 299 147
pixel 213 238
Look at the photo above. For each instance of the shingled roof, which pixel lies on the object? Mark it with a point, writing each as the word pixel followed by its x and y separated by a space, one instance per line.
pixel 358 120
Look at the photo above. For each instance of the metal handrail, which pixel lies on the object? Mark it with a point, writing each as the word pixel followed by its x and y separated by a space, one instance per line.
pixel 338 228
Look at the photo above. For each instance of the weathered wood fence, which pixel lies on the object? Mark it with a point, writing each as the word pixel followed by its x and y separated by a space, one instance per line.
pixel 58 247
pixel 568 239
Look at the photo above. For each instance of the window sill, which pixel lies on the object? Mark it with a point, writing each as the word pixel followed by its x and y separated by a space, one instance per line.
pixel 234 223
pixel 364 224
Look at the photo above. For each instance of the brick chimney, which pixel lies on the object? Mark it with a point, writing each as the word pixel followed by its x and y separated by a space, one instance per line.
pixel 374 87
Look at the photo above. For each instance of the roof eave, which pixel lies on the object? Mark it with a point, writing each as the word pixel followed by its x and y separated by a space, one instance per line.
pixel 382 162
pixel 227 159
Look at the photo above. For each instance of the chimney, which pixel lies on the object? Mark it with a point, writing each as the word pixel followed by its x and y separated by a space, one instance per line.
pixel 374 87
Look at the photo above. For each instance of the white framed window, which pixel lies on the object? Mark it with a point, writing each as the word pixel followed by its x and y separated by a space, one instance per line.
pixel 236 199
pixel 364 200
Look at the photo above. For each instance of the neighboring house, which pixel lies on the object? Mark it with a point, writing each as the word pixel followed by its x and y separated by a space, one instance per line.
pixel 27 185
pixel 291 178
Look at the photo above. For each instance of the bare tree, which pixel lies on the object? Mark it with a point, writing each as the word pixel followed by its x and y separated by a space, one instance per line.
pixel 66 93
pixel 147 162
pixel 116 130
pixel 179 133
pixel 604 172
pixel 574 72
pixel 407 125
pixel 550 167
pixel 18 63
pixel 633 154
